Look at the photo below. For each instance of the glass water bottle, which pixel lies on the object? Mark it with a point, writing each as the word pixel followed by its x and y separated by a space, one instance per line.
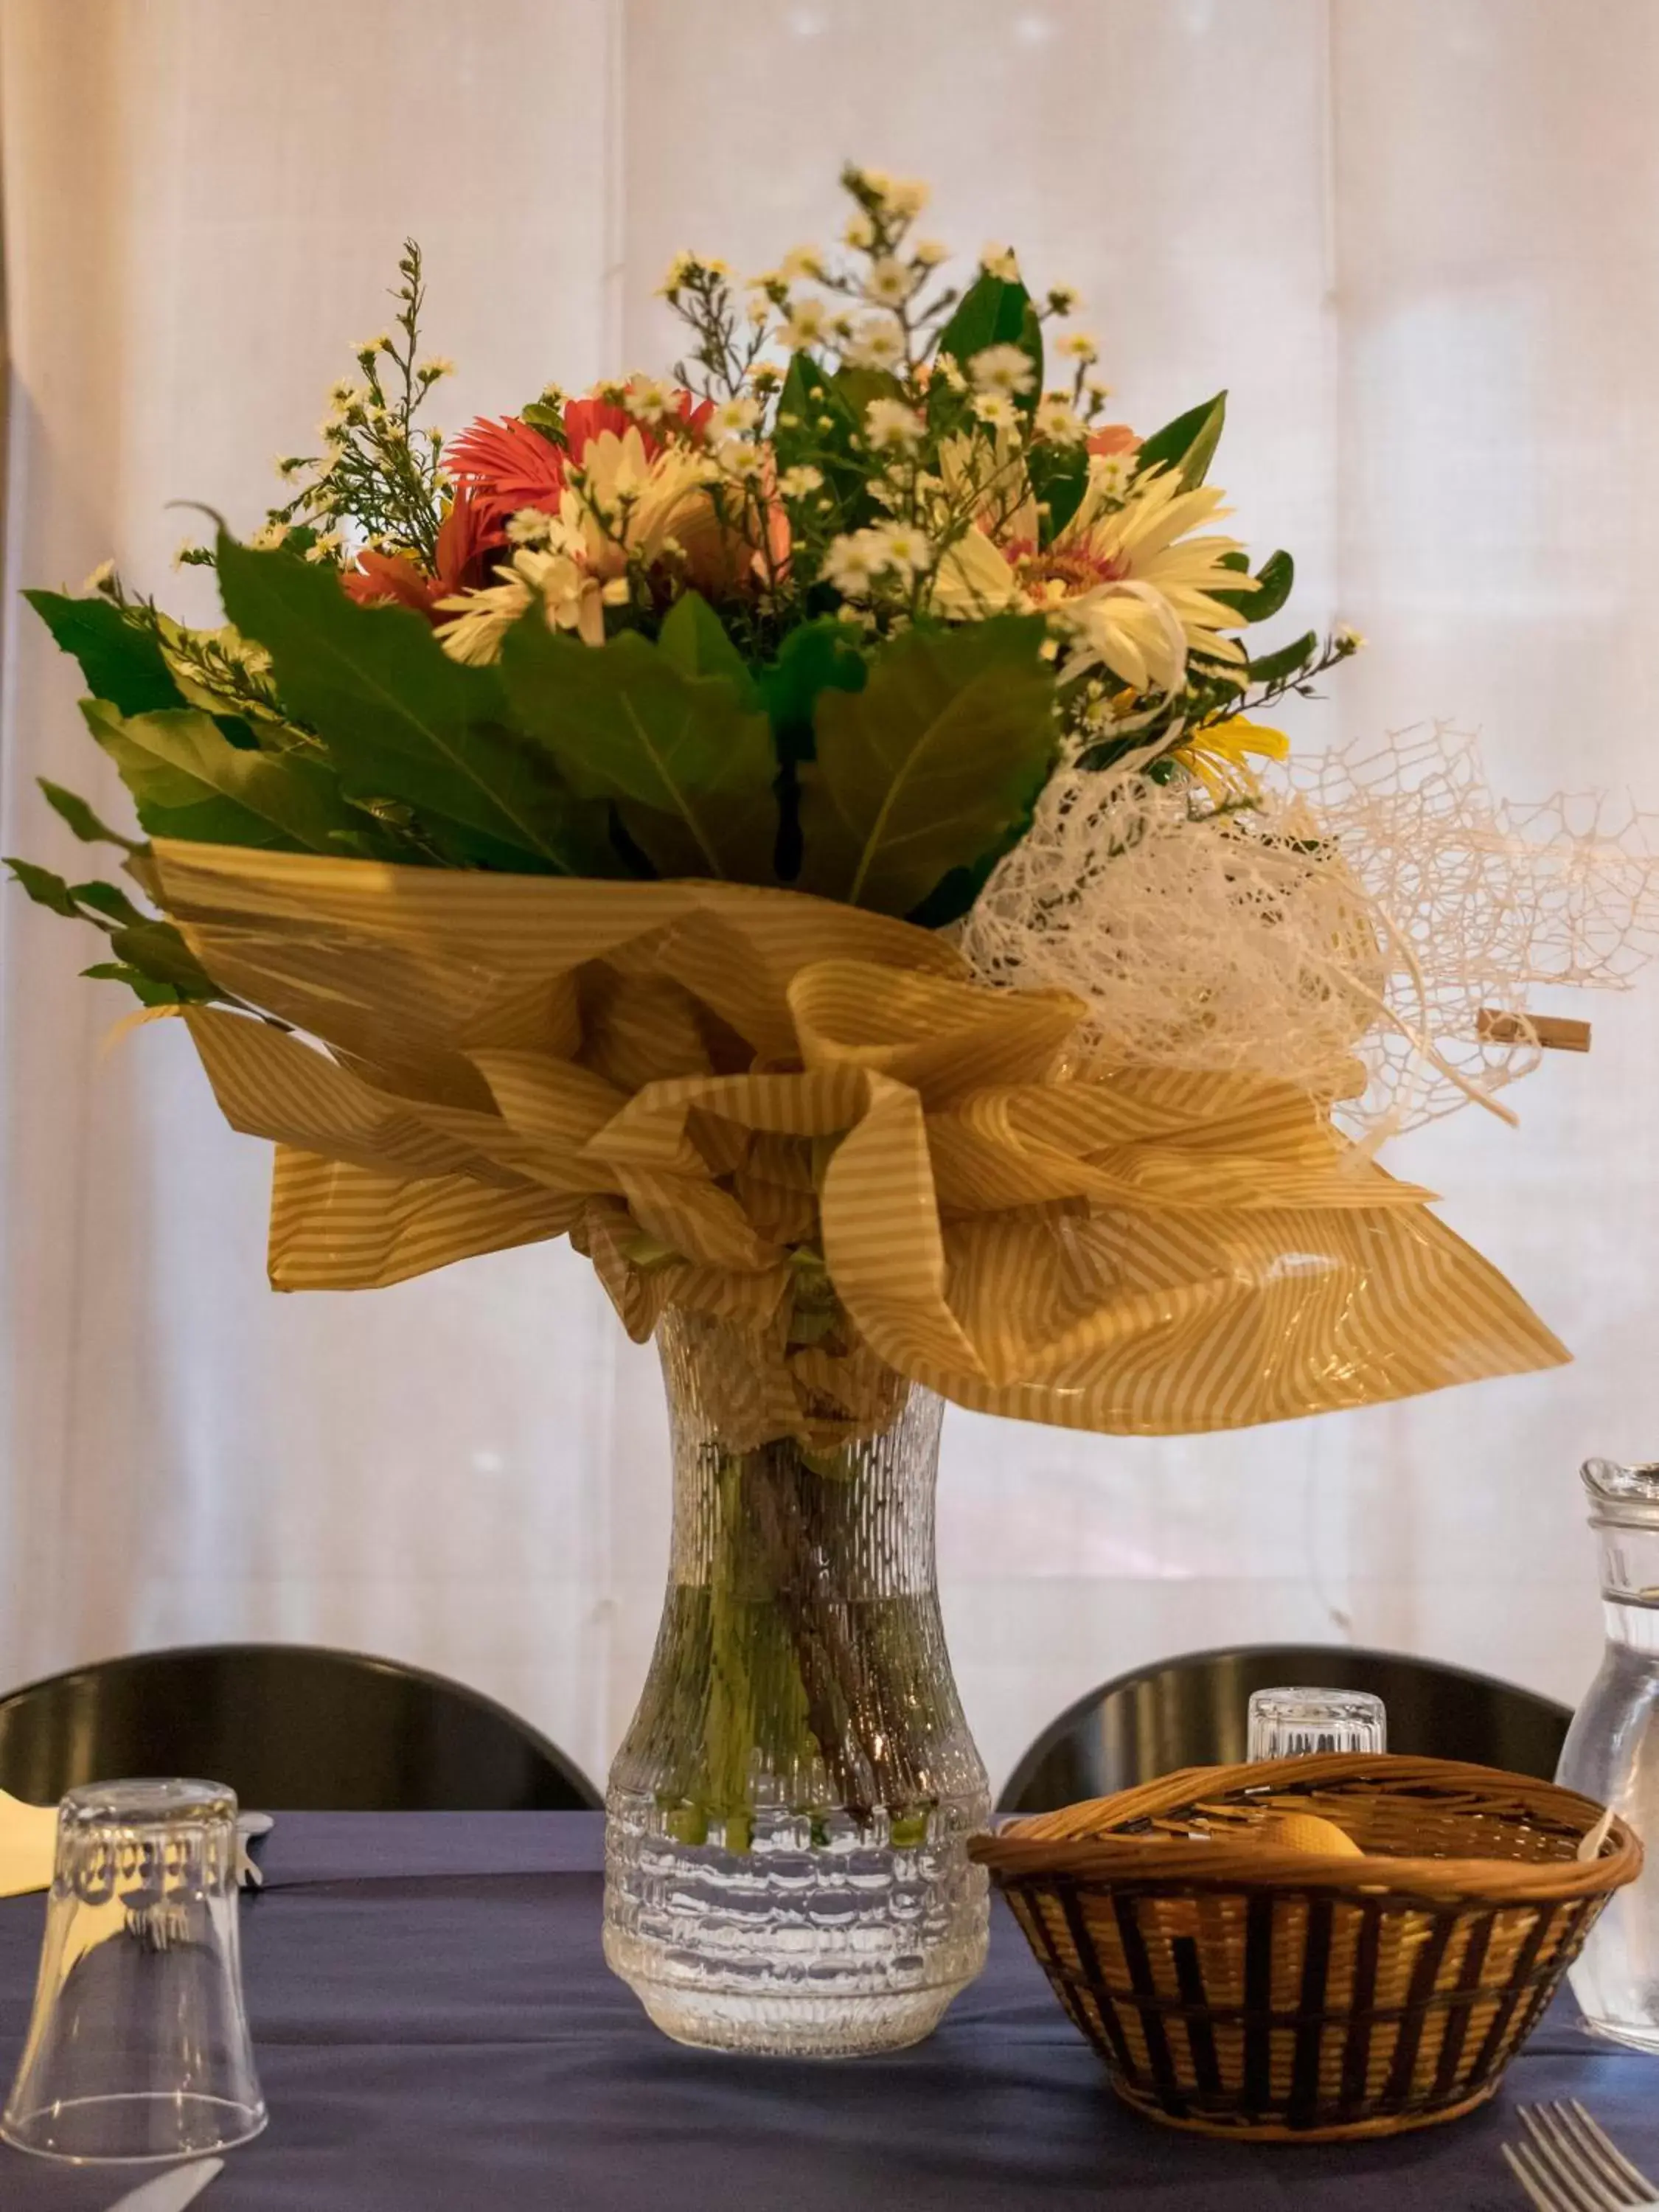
pixel 1611 1751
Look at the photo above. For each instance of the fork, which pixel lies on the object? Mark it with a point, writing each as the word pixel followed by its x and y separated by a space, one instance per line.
pixel 1568 2164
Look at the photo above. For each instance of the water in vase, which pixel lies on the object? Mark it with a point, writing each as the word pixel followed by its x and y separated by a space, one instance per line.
pixel 786 1818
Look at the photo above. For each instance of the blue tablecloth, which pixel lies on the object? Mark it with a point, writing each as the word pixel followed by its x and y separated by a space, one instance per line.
pixel 437 2032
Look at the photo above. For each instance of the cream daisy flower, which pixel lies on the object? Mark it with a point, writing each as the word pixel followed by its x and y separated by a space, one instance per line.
pixel 889 284
pixel 876 342
pixel 808 325
pixel 1057 420
pixel 891 427
pixel 1002 369
pixel 1131 587
pixel 996 410
pixel 569 598
pixel 853 564
pixel 732 417
pixel 904 547
pixel 647 398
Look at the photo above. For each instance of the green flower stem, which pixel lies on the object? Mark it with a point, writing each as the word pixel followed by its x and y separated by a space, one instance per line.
pixel 780 1674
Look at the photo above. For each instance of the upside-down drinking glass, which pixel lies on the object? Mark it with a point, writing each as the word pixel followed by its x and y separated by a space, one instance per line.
pixel 1299 1723
pixel 138 2048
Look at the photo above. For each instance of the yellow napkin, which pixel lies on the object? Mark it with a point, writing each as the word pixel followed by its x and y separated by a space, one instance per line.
pixel 28 1835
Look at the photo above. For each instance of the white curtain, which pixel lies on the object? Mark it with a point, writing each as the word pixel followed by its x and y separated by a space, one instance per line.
pixel 1418 240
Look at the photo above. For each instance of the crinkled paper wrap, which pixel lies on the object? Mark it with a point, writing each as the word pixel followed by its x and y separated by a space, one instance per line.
pixel 705 1085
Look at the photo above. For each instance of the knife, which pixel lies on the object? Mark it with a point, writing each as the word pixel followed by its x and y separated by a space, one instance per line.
pixel 172 2191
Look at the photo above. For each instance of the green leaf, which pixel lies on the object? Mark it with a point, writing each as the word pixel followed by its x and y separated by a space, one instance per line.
pixel 119 657
pixel 688 767
pixel 816 426
pixel 954 894
pixel 994 312
pixel 929 768
pixel 857 388
pixel 80 819
pixel 1060 476
pixel 158 951
pixel 819 655
pixel 108 900
pixel 1189 443
pixel 404 722
pixel 46 889
pixel 1274 580
pixel 188 781
pixel 694 639
pixel 150 991
pixel 1289 660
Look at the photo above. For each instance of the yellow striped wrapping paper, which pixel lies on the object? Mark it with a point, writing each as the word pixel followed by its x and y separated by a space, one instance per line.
pixel 706 1085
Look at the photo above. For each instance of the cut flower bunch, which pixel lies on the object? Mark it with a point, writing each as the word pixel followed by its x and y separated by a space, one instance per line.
pixel 509 776
pixel 845 592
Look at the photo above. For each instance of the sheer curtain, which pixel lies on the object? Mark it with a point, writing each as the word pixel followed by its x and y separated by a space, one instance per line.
pixel 1415 237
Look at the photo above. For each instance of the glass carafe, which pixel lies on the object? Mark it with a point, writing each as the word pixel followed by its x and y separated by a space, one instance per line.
pixel 1611 1751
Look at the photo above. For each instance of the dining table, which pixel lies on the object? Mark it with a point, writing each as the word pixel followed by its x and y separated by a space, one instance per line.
pixel 437 2031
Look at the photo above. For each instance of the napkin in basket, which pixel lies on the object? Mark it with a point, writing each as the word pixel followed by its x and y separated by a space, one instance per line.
pixel 27 1840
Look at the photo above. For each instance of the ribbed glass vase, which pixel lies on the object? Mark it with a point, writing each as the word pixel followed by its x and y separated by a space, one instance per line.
pixel 785 1868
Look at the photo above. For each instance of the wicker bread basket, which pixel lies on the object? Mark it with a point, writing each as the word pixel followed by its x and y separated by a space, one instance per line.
pixel 1239 1987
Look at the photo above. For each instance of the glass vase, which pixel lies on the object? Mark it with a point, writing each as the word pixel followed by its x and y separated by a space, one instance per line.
pixel 786 1818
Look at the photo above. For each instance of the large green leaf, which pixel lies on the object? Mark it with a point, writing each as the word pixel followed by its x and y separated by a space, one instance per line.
pixel 1189 443
pixel 816 656
pixel 996 311
pixel 932 766
pixel 404 722
pixel 119 657
pixel 694 639
pixel 188 781
pixel 688 767
pixel 857 388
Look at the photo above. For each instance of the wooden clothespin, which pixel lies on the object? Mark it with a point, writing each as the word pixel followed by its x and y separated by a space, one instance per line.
pixel 1548 1030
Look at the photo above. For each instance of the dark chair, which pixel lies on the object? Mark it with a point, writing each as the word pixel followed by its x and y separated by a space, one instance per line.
pixel 1191 1711
pixel 288 1727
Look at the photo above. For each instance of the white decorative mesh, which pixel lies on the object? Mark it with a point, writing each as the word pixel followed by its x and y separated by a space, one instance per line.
pixel 1343 933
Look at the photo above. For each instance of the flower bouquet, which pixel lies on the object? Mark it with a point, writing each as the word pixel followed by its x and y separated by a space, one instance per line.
pixel 801 830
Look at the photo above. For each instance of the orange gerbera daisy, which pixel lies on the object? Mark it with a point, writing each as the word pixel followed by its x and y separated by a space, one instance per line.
pixel 508 465
pixel 465 539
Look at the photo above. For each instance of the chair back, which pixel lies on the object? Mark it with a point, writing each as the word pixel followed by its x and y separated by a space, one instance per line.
pixel 1192 1711
pixel 295 1728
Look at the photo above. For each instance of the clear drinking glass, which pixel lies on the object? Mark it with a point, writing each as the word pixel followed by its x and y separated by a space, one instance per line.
pixel 138 2047
pixel 1611 1751
pixel 1295 1723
